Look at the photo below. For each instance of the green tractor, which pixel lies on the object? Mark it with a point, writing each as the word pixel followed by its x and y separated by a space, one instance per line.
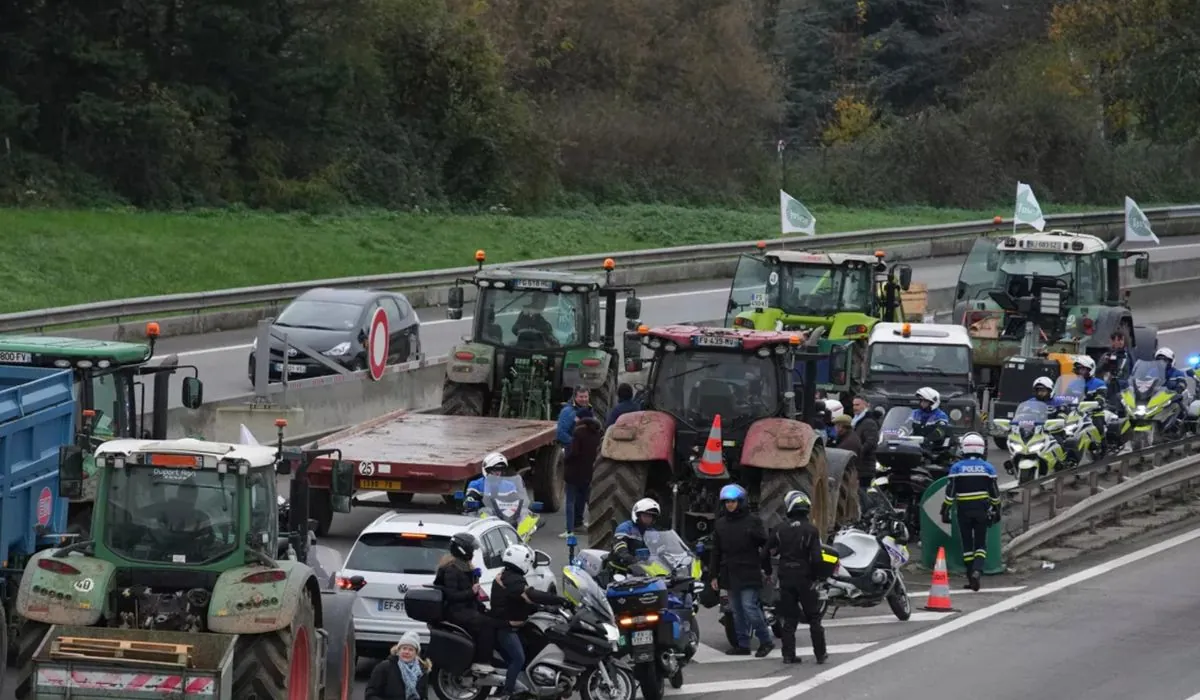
pixel 536 335
pixel 186 554
pixel 107 382
pixel 843 293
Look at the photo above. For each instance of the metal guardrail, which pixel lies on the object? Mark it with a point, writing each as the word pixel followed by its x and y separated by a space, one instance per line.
pixel 107 311
pixel 1131 486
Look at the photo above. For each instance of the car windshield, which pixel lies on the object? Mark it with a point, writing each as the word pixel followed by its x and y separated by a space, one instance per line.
pixel 167 515
pixel 696 385
pixel 821 290
pixel 920 359
pixel 398 552
pixel 897 423
pixel 320 315
pixel 505 496
pixel 532 320
pixel 667 549
pixel 1148 375
pixel 1031 412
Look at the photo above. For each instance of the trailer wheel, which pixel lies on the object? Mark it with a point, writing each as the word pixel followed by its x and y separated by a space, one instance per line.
pixel 616 486
pixel 548 471
pixel 275 664
pixel 463 399
pixel 30 637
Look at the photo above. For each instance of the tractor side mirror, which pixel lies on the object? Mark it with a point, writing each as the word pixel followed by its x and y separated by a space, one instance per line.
pixel 632 350
pixel 1141 268
pixel 633 308
pixel 193 393
pixel 454 303
pixel 905 273
pixel 70 471
pixel 341 485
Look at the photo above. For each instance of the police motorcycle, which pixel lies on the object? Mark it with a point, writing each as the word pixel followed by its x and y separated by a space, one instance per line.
pixel 861 568
pixel 568 650
pixel 655 607
pixel 904 466
pixel 507 498
pixel 1080 432
pixel 1033 445
pixel 1154 410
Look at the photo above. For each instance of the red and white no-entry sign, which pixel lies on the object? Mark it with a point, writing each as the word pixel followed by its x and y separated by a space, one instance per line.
pixel 45 506
pixel 377 344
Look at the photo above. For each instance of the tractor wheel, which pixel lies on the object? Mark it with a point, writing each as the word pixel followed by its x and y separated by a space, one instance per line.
pixel 274 664
pixel 616 486
pixel 604 397
pixel 548 473
pixel 463 399
pixel 776 483
pixel 843 484
pixel 28 640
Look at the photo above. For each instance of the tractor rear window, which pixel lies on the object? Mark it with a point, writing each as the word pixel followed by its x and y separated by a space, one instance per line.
pixel 396 553
pixel 695 386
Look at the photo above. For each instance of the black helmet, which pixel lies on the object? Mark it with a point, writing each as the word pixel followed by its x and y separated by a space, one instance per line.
pixel 463 545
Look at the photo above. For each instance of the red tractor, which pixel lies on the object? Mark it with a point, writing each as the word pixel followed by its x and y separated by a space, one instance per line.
pixel 733 391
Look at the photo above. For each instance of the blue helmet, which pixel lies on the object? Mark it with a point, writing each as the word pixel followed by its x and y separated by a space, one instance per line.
pixel 732 492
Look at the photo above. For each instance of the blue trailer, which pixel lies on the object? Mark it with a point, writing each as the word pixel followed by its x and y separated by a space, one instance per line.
pixel 37 418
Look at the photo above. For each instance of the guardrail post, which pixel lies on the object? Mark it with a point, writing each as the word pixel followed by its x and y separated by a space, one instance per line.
pixel 262 362
pixel 1122 467
pixel 1056 497
pixel 1026 508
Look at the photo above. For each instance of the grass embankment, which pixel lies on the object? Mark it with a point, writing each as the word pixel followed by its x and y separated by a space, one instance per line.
pixel 58 257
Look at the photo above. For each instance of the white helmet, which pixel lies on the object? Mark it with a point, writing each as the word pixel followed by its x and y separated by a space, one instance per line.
pixel 1086 362
pixel 973 444
pixel 494 462
pixel 1043 383
pixel 835 408
pixel 926 393
pixel 518 556
pixel 646 505
pixel 1165 354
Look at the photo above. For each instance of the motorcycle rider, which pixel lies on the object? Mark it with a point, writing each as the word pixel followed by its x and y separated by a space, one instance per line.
pixel 630 536
pixel 1094 389
pixel 973 488
pixel 1176 379
pixel 494 464
pixel 1043 390
pixel 738 538
pixel 931 422
pixel 513 601
pixel 460 590
pixel 797 543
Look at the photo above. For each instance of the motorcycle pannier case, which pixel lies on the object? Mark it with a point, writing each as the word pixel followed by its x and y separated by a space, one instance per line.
pixel 827 564
pixel 450 649
pixel 424 605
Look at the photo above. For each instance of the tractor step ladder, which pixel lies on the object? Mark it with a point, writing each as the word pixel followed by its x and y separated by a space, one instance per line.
pixel 127 651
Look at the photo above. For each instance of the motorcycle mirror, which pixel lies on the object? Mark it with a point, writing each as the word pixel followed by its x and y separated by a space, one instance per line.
pixel 536 506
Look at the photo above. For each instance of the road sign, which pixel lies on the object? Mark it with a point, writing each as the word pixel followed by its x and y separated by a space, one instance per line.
pixel 377 344
pixel 45 506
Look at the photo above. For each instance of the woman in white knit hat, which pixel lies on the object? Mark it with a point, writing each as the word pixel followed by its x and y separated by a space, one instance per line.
pixel 402 676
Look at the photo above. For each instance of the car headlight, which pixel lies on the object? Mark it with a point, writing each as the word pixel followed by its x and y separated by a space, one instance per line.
pixel 611 633
pixel 338 350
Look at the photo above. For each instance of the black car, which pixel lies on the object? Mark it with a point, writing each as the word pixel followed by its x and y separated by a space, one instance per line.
pixel 336 323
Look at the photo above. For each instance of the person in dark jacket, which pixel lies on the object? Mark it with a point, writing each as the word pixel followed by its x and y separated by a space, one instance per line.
pixel 513 601
pixel 403 675
pixel 973 490
pixel 625 404
pixel 566 417
pixel 738 539
pixel 460 590
pixel 866 425
pixel 579 463
pixel 846 438
pixel 797 543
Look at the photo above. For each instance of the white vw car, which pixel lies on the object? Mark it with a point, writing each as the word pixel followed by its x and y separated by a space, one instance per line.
pixel 400 551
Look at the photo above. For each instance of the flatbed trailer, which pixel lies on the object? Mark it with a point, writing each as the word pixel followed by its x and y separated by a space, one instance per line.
pixel 404 453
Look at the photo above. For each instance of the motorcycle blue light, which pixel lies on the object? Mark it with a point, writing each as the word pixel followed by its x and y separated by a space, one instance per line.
pixel 1194 360
pixel 571 541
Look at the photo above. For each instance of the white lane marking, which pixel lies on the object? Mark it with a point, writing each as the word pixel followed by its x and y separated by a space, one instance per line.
pixel 708 655
pixel 865 620
pixel 957 593
pixel 726 686
pixel 1012 603
pixel 1195 697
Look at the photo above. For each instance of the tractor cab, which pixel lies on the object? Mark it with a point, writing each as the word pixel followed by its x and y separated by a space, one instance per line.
pixel 537 334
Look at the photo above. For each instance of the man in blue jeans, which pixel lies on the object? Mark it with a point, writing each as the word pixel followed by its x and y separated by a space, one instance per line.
pixel 738 539
pixel 579 464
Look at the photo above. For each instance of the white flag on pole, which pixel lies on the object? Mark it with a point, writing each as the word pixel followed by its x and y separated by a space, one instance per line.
pixel 1137 226
pixel 1028 210
pixel 246 437
pixel 795 217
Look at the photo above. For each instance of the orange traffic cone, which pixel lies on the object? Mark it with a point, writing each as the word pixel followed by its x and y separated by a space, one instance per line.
pixel 939 590
pixel 711 462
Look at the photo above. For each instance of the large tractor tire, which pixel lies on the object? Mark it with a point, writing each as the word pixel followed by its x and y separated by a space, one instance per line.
pixel 842 469
pixel 775 485
pixel 616 486
pixel 463 399
pixel 548 474
pixel 604 397
pixel 341 659
pixel 268 665
pixel 31 636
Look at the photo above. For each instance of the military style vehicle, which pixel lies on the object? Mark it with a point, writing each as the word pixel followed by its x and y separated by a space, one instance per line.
pixel 536 335
pixel 739 383
pixel 843 293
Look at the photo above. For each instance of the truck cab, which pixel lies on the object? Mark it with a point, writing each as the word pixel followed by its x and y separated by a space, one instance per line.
pixel 903 357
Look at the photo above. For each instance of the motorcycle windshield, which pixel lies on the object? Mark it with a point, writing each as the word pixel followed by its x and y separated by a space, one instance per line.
pixel 1029 416
pixel 581 589
pixel 1147 378
pixel 505 497
pixel 668 555
pixel 896 424
pixel 1068 390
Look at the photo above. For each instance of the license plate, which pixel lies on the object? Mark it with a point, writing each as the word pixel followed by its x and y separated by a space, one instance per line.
pixel 391 605
pixel 16 358
pixel 717 341
pixel 643 637
pixel 292 369
pixel 379 485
